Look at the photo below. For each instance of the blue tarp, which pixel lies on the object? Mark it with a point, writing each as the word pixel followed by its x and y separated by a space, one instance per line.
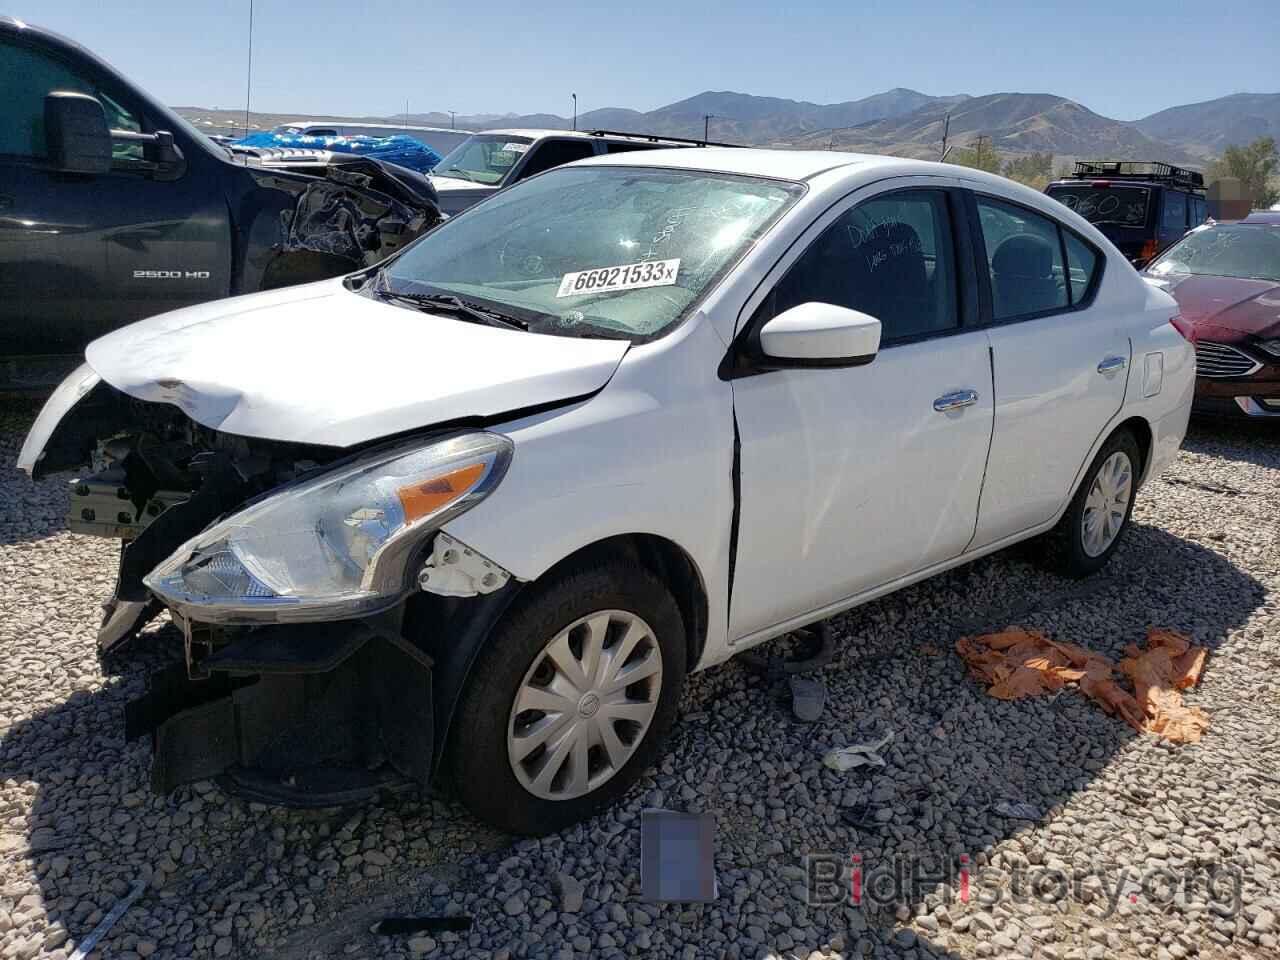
pixel 399 149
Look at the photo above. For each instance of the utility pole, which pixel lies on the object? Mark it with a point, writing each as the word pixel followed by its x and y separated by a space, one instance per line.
pixel 452 115
pixel 406 113
pixel 575 110
pixel 248 76
pixel 706 125
pixel 978 154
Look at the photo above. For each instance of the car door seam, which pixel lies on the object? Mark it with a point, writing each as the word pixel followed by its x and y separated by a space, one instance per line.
pixel 991 439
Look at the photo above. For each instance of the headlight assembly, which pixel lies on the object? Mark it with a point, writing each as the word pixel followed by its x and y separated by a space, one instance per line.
pixel 333 546
pixel 1271 346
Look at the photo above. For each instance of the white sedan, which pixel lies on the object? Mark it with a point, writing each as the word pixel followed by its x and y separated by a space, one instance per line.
pixel 474 515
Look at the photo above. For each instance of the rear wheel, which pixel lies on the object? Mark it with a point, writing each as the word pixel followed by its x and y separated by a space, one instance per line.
pixel 570 700
pixel 1090 530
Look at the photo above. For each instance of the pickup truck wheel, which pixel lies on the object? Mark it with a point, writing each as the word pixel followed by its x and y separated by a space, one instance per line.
pixel 1090 530
pixel 570 700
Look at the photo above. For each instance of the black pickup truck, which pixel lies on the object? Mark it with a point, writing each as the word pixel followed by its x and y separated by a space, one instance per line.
pixel 114 208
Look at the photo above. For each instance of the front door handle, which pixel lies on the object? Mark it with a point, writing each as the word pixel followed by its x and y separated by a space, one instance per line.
pixel 1112 365
pixel 955 400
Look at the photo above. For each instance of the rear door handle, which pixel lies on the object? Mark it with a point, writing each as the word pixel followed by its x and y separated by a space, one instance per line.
pixel 1112 365
pixel 955 400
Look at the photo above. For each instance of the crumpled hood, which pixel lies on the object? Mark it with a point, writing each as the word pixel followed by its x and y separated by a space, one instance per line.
pixel 320 364
pixel 1229 303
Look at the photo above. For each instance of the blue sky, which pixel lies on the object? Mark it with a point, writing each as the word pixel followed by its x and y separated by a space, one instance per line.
pixel 496 56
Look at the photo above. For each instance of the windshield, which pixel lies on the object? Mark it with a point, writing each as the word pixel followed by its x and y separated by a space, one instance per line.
pixel 483 159
pixel 1249 251
pixel 1125 206
pixel 619 252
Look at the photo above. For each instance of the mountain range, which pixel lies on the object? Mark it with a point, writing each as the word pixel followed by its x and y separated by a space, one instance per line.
pixel 898 121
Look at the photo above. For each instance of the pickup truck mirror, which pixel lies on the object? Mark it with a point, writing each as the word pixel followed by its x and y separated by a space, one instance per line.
pixel 163 156
pixel 76 133
pixel 819 335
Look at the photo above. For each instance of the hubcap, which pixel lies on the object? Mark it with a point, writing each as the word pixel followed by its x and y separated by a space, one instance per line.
pixel 1107 503
pixel 584 705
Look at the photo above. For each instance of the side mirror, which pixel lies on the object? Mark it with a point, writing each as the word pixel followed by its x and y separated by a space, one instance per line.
pixel 819 335
pixel 76 133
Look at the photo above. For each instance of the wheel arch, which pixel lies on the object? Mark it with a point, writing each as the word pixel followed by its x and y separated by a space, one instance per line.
pixel 1142 433
pixel 667 561
pixel 453 631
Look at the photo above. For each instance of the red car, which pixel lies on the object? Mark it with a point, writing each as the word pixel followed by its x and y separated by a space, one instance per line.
pixel 1226 279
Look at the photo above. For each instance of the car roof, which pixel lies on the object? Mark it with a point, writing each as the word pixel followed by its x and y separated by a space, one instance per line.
pixel 355 123
pixel 777 164
pixel 1269 217
pixel 537 134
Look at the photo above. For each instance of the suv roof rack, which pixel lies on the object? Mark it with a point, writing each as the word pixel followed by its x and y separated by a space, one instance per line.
pixel 654 138
pixel 1146 170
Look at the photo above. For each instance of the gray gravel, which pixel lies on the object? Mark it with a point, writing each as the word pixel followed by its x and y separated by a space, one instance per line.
pixel 230 879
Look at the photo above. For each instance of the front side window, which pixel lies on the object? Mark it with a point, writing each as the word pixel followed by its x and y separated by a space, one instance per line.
pixel 619 252
pixel 30 76
pixel 1250 251
pixel 484 158
pixel 891 258
pixel 1024 258
pixel 1175 210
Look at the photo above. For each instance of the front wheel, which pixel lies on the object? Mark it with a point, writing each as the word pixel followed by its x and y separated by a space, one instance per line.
pixel 1090 530
pixel 570 700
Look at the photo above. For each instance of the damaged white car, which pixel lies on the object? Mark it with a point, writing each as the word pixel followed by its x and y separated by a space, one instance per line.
pixel 472 516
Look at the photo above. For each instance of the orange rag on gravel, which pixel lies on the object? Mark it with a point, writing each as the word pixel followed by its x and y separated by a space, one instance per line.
pixel 1017 663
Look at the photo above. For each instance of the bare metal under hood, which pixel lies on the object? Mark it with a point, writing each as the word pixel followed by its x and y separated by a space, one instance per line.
pixel 319 364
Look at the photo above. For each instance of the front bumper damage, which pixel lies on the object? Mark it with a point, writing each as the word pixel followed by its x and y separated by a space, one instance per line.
pixel 310 714
pixel 302 715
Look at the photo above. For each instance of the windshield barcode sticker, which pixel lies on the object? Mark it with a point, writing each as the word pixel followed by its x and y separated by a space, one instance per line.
pixel 631 276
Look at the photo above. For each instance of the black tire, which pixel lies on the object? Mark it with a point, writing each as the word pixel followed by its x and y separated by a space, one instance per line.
pixel 476 759
pixel 1064 548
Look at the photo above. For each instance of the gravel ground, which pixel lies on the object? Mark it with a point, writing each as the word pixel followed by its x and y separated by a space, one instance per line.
pixel 1122 819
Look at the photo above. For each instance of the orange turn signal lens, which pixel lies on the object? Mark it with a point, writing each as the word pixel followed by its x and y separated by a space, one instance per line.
pixel 425 497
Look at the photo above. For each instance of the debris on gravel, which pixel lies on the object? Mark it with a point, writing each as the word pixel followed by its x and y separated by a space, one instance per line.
pixel 1139 849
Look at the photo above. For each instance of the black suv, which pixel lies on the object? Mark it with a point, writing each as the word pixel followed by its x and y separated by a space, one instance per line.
pixel 1141 206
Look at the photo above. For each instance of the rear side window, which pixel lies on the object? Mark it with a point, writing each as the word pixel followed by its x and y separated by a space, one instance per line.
pixel 890 257
pixel 1082 264
pixel 1175 210
pixel 554 153
pixel 1024 257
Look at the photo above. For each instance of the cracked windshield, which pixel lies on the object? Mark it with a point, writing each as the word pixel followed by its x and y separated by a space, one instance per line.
pixel 615 252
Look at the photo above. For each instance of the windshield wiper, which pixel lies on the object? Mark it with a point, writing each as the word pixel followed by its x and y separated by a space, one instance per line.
pixel 465 173
pixel 448 303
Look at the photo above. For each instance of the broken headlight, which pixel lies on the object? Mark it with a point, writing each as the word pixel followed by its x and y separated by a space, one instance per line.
pixel 333 546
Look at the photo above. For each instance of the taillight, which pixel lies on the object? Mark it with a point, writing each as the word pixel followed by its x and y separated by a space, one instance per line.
pixel 1184 327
